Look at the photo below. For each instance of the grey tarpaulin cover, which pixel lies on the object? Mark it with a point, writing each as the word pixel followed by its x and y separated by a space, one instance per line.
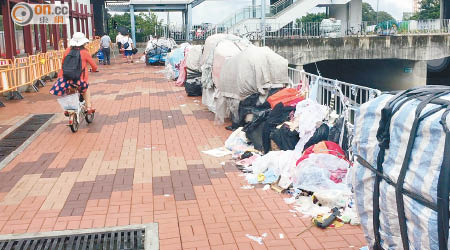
pixel 254 70
pixel 207 66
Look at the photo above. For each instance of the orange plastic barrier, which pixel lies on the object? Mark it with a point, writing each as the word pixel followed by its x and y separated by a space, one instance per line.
pixel 30 70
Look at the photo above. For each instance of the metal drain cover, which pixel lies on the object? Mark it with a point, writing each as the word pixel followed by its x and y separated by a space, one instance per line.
pixel 136 237
pixel 15 139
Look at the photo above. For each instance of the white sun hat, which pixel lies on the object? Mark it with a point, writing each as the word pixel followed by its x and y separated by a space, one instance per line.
pixel 78 39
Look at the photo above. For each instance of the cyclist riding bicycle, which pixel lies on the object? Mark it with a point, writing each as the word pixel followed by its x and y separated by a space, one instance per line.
pixel 74 70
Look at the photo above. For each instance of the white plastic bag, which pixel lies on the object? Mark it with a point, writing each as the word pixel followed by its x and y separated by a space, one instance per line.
pixel 237 138
pixel 314 173
pixel 308 115
pixel 70 102
pixel 270 160
pixel 332 198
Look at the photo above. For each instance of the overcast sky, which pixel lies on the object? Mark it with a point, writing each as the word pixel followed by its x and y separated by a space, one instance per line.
pixel 215 11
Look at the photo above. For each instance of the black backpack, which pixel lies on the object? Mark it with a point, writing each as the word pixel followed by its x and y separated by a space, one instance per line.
pixel 72 65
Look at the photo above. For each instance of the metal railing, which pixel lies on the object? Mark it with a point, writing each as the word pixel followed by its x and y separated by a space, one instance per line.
pixel 329 29
pixel 336 29
pixel 340 96
pixel 280 6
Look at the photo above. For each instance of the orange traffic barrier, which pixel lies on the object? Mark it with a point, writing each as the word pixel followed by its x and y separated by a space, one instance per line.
pixel 6 75
pixel 30 70
pixel 22 72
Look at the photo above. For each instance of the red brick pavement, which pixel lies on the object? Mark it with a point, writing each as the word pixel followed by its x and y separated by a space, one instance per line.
pixel 140 162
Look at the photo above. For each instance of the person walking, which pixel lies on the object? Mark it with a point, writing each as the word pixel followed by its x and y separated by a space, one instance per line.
pixel 119 39
pixel 106 44
pixel 127 44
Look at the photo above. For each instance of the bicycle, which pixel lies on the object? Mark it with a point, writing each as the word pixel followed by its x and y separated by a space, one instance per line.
pixel 75 108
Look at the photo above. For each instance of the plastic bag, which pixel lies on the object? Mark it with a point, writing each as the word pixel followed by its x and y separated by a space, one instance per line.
pixel 270 160
pixel 308 115
pixel 193 87
pixel 316 172
pixel 69 102
pixel 237 138
pixel 332 198
pixel 168 72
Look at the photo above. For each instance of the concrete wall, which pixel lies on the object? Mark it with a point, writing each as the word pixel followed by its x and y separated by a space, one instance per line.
pixel 413 47
pixel 384 75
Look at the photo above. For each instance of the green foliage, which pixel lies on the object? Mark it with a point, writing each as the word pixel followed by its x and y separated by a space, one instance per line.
pixel 145 24
pixel 370 15
pixel 429 9
pixel 312 18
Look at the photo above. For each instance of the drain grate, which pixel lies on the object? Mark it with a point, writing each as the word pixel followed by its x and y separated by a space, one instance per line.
pixel 117 240
pixel 16 138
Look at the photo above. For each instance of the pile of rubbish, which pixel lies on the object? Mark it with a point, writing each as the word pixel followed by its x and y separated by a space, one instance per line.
pixel 157 50
pixel 282 137
pixel 294 145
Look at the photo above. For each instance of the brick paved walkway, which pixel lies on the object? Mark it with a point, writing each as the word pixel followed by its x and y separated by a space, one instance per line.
pixel 140 162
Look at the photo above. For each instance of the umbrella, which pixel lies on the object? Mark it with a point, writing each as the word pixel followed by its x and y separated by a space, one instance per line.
pixel 123 30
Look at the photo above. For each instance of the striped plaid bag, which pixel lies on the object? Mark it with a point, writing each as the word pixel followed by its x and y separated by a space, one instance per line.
pixel 402 169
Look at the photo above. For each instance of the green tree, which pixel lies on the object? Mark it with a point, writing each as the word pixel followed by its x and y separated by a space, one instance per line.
pixel 370 15
pixel 429 9
pixel 145 24
pixel 312 18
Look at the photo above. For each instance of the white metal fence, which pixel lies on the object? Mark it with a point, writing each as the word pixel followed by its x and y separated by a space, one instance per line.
pixel 336 29
pixel 342 97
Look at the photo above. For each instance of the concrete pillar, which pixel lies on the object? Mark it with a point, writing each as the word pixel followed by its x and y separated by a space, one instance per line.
pixel 355 15
pixel 188 22
pixel 445 9
pixel 254 8
pixel 133 25
pixel 99 12
pixel 339 11
pixel 350 15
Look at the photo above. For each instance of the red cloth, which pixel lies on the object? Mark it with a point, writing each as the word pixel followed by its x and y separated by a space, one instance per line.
pixel 85 59
pixel 324 147
pixel 287 96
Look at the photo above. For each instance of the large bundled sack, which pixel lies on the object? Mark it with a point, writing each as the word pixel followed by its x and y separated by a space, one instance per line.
pixel 225 50
pixel 401 179
pixel 224 106
pixel 207 60
pixel 254 70
pixel 194 57
pixel 174 59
